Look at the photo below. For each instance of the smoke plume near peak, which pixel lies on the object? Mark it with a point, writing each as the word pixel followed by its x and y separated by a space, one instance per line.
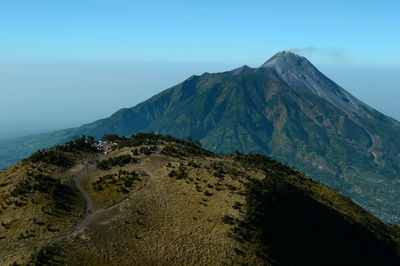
pixel 333 54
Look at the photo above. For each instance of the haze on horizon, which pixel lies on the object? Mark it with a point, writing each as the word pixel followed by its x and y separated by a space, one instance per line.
pixel 66 63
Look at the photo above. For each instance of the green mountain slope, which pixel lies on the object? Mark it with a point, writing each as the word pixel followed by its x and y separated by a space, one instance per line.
pixel 287 109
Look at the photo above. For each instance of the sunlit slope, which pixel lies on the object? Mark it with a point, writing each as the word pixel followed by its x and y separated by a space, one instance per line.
pixel 161 200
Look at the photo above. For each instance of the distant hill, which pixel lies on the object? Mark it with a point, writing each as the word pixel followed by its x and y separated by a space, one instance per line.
pixel 286 109
pixel 157 200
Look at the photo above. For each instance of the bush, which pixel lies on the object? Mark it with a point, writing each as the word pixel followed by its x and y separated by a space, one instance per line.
pixel 112 138
pixel 237 205
pixel 50 157
pixel 193 164
pixel 207 193
pixel 124 181
pixel 116 161
pixel 172 173
pixel 59 194
pixel 78 144
pixel 180 174
pixel 169 150
pixel 148 150
pixel 231 187
pixel 45 256
pixel 227 219
pixel 21 188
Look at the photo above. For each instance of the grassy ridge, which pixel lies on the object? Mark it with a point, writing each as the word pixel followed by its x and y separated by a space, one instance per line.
pixel 156 195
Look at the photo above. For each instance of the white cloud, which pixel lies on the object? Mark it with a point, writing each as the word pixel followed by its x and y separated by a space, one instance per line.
pixel 331 54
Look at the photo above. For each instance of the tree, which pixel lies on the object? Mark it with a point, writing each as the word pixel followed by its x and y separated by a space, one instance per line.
pixel 111 137
pixel 189 139
pixel 197 143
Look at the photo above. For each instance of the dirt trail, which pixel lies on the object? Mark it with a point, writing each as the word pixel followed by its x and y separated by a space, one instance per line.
pixel 83 221
pixel 89 205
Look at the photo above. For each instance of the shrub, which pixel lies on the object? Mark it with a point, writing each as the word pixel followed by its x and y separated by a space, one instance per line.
pixel 124 181
pixel 59 194
pixel 172 173
pixel 116 161
pixel 227 219
pixel 169 150
pixel 231 187
pixel 207 193
pixel 237 205
pixel 193 164
pixel 78 144
pixel 50 157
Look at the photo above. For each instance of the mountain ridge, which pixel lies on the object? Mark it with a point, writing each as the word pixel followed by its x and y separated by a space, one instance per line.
pixel 153 196
pixel 299 73
pixel 290 111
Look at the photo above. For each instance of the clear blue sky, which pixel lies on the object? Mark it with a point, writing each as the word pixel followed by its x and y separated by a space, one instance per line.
pixel 83 60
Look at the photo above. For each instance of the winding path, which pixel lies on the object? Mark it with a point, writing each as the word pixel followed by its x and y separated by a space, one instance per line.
pixel 83 221
pixel 88 210
pixel 89 205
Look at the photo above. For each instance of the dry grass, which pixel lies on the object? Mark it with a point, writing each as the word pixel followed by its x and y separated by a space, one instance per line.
pixel 168 221
pixel 27 221
pixel 160 220
pixel 172 214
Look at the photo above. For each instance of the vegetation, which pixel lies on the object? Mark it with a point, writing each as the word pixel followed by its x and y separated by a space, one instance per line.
pixel 180 174
pixel 171 151
pixel 56 157
pixel 123 181
pixel 46 256
pixel 50 157
pixel 144 139
pixel 227 219
pixel 111 138
pixel 289 226
pixel 147 150
pixel 175 147
pixel 293 229
pixel 78 144
pixel 59 194
pixel 116 161
pixel 193 164
pixel 250 208
pixel 254 111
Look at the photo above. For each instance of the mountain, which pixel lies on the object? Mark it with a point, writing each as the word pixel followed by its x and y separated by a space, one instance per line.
pixel 286 109
pixel 157 200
